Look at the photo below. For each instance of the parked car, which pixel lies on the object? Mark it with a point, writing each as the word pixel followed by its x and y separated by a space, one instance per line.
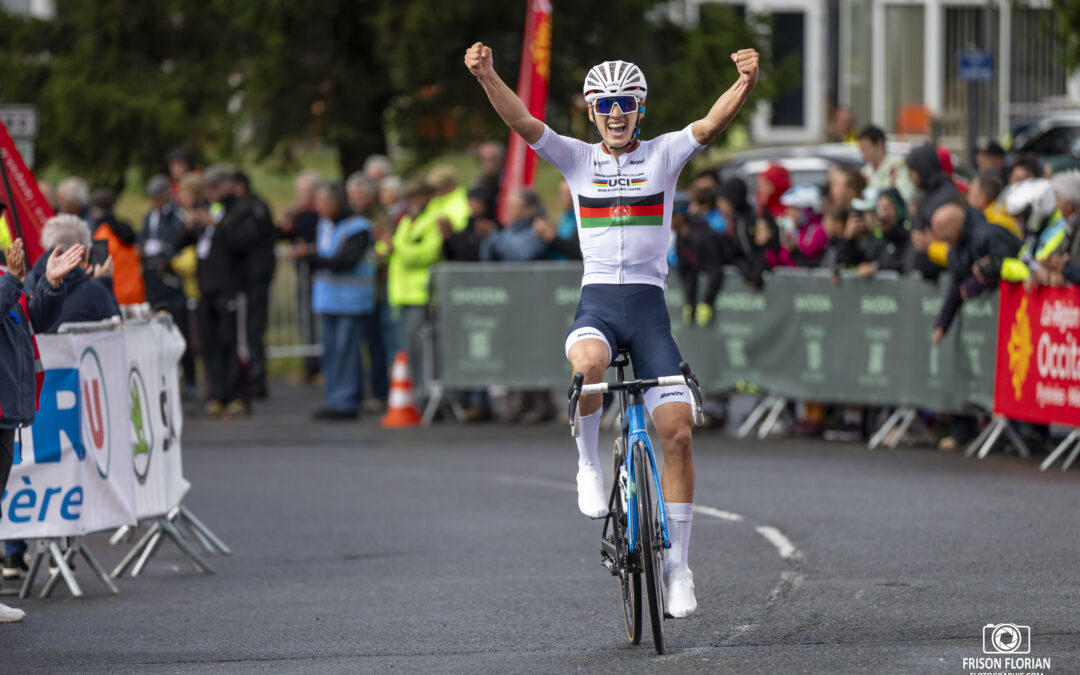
pixel 1057 133
pixel 805 163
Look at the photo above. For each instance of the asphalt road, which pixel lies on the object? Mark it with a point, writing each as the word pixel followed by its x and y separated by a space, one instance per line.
pixel 460 549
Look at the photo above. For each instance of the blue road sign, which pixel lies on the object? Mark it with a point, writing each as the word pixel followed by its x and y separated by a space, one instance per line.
pixel 975 65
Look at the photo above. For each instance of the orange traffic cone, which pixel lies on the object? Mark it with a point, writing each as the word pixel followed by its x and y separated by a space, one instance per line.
pixel 400 410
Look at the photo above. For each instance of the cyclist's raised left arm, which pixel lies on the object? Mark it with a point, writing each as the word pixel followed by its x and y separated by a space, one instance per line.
pixel 510 108
pixel 727 106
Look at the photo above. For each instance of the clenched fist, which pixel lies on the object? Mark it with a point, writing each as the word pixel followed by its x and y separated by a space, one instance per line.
pixel 746 60
pixel 478 59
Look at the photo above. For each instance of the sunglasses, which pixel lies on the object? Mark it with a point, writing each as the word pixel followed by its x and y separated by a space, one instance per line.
pixel 604 106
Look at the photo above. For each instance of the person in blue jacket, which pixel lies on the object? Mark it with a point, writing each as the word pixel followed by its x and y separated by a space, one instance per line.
pixel 20 312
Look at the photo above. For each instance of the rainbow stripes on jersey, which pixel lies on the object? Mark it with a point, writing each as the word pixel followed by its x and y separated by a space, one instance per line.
pixel 621 211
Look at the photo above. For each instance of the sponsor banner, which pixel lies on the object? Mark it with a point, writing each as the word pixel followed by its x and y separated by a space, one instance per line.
pixel 801 337
pixel 27 209
pixel 154 350
pixel 73 467
pixel 1038 356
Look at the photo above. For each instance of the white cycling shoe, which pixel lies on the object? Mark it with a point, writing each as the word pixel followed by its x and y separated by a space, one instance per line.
pixel 679 593
pixel 591 499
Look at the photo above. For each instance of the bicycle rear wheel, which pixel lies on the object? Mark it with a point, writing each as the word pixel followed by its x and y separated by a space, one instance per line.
pixel 629 581
pixel 649 544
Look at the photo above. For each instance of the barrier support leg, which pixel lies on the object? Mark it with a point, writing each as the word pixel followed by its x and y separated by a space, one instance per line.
pixel 1073 436
pixel 774 415
pixel 974 446
pixel 63 571
pixel 197 526
pixel 1014 438
pixel 40 552
pixel 123 533
pixel 910 415
pixel 755 415
pixel 186 548
pixel 999 426
pixel 881 433
pixel 148 550
pixel 95 566
pixel 1072 458
pixel 439 398
pixel 125 563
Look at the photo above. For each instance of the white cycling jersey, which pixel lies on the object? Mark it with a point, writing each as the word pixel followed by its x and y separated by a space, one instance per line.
pixel 623 207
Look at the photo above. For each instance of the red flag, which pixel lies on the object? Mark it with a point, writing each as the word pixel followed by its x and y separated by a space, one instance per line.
pixel 532 88
pixel 27 209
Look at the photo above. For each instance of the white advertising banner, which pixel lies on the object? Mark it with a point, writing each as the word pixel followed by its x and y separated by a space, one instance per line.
pixel 73 467
pixel 153 351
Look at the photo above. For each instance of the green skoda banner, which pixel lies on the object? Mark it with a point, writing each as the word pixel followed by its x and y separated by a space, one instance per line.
pixel 802 337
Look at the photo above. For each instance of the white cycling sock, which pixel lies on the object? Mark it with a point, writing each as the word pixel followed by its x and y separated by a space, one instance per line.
pixel 589 440
pixel 679 518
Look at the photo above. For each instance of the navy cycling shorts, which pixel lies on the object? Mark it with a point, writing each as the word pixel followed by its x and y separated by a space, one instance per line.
pixel 629 316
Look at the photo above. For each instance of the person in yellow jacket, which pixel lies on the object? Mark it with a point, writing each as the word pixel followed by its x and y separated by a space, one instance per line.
pixel 1033 202
pixel 5 231
pixel 415 246
pixel 451 201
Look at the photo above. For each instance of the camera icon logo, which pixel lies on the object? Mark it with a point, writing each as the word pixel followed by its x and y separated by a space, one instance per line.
pixel 1006 638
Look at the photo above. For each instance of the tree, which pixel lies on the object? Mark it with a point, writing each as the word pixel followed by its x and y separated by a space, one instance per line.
pixel 1062 22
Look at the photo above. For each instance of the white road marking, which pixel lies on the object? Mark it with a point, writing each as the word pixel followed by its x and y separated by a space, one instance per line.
pixel 776 538
pixel 717 513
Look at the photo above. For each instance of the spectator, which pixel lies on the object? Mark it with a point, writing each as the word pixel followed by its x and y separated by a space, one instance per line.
pixel 127 269
pixel 842 126
pixel 20 383
pixel 1060 164
pixel 1033 203
pixel 223 235
pixel 843 225
pixel 945 159
pixel 391 197
pixel 362 198
pixel 1025 166
pixel 377 168
pixel 934 190
pixel 846 183
pixel 300 225
pixel 739 214
pixel 344 296
pixel 771 183
pixel 414 248
pixel 260 274
pixel 1064 264
pixel 883 170
pixel 984 196
pixel 990 157
pixel 566 228
pixel 450 201
pixel 161 227
pixel 975 248
pixel 801 225
pixel 73 196
pixel 489 180
pixel 699 253
pixel 183 264
pixel 561 237
pixel 464 246
pixel 49 194
pixel 703 204
pixel 520 240
pixel 893 232
pixel 180 163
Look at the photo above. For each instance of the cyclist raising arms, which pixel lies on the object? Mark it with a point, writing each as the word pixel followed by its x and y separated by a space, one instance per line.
pixel 622 190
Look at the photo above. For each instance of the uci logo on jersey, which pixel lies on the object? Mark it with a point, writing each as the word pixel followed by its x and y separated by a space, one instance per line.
pixel 619 182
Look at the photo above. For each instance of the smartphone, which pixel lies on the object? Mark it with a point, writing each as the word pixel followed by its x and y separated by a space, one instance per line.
pixel 99 252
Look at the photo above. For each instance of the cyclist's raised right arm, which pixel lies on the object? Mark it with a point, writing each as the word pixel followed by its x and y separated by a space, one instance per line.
pixel 510 108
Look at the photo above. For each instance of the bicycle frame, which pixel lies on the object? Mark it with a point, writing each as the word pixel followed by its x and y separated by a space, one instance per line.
pixel 633 427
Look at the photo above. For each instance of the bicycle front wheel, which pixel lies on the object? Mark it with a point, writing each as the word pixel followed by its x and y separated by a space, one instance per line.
pixel 629 581
pixel 650 544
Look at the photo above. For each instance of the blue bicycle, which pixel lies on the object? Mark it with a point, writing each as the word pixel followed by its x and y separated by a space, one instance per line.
pixel 635 533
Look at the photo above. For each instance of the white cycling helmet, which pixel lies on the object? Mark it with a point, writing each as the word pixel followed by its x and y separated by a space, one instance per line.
pixel 1033 200
pixel 614 78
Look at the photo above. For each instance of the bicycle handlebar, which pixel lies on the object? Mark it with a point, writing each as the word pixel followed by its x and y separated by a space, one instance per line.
pixel 578 389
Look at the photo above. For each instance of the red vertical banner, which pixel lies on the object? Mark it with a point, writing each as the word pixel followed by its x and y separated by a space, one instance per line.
pixel 533 78
pixel 25 208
